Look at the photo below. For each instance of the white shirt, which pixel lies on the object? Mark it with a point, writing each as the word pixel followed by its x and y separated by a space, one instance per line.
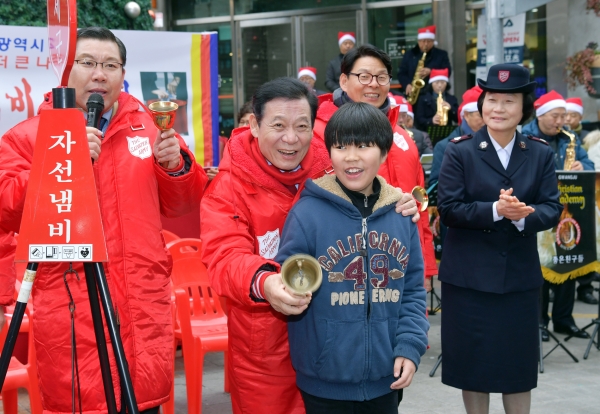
pixel 504 155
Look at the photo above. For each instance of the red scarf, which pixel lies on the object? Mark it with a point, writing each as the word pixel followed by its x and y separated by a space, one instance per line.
pixel 288 178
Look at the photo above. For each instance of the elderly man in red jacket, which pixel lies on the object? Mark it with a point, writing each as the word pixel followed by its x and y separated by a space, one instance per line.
pixel 242 215
pixel 133 192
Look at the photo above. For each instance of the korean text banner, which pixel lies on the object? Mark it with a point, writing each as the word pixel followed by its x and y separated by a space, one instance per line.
pixel 569 250
pixel 179 67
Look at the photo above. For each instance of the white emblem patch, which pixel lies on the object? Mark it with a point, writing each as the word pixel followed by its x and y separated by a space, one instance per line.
pixel 400 141
pixel 268 245
pixel 139 147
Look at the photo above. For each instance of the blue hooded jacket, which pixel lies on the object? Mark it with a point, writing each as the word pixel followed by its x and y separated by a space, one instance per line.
pixel 581 155
pixel 370 307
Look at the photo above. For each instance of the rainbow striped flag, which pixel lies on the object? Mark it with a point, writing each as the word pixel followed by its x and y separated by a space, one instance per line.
pixel 205 98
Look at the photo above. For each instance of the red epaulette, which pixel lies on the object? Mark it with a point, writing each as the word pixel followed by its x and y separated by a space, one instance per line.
pixel 543 141
pixel 461 138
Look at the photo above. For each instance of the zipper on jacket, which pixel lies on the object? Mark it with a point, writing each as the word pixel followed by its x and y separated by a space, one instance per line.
pixel 366 202
pixel 365 254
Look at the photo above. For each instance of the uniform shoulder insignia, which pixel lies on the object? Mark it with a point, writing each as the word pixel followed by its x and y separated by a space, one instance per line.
pixel 543 141
pixel 461 138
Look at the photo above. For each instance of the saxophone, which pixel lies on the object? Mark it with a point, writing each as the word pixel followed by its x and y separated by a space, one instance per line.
pixel 417 83
pixel 570 154
pixel 442 111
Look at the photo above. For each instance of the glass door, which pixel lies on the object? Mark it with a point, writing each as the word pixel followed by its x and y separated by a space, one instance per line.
pixel 319 41
pixel 266 50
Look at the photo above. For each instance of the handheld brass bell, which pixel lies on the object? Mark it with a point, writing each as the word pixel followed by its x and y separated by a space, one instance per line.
pixel 301 273
pixel 163 114
pixel 420 194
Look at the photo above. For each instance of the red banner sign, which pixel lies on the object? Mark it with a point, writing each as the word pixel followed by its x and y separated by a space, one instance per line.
pixel 61 218
pixel 62 36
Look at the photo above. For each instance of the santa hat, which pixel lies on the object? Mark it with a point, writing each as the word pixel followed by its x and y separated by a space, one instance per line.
pixel 438 74
pixel 392 98
pixel 346 36
pixel 426 33
pixel 548 102
pixel 469 102
pixel 575 105
pixel 410 111
pixel 308 71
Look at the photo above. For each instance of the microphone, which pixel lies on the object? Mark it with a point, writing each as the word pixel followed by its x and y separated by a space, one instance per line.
pixel 95 105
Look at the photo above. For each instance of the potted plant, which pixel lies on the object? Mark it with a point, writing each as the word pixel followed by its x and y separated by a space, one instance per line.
pixel 593 5
pixel 583 68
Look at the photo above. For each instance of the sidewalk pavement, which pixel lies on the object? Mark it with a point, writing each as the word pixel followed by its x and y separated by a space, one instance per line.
pixel 565 387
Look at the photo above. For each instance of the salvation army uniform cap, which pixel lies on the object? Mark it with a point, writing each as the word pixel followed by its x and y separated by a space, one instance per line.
pixel 575 105
pixel 507 78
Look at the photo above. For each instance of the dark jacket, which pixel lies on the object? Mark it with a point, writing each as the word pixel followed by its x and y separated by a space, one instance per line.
pixel 422 141
pixel 369 309
pixel 440 147
pixel 560 142
pixel 436 59
pixel 479 253
pixel 334 70
pixel 426 108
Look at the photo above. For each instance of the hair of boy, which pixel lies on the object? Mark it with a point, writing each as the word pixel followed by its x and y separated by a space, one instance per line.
pixel 244 110
pixel 365 50
pixel 358 123
pixel 283 88
pixel 527 105
pixel 104 35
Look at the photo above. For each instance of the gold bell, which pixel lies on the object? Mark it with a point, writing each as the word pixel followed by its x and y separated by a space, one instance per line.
pixel 420 194
pixel 301 273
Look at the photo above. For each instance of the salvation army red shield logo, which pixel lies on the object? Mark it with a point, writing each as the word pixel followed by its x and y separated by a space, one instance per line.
pixel 503 75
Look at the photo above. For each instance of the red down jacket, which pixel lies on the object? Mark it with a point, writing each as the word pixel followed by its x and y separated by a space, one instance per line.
pixel 242 213
pixel 402 169
pixel 132 193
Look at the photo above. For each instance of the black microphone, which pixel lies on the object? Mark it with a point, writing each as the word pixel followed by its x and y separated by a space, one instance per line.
pixel 95 105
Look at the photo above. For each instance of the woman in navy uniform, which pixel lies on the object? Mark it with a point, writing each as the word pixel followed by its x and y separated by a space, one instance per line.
pixel 496 190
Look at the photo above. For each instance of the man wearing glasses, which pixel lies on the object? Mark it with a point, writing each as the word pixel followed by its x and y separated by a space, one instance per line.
pixel 140 173
pixel 366 78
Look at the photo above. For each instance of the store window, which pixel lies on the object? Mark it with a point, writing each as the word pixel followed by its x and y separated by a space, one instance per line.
pixel 226 110
pixel 263 6
pixel 186 9
pixel 395 31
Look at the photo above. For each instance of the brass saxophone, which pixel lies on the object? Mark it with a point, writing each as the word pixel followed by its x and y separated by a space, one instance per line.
pixel 570 154
pixel 417 83
pixel 442 111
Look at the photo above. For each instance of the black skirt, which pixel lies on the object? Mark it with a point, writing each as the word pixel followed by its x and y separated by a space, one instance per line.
pixel 490 341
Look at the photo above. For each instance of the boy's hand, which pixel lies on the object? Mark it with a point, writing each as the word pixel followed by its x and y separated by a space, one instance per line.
pixel 281 299
pixel 405 367
pixel 408 207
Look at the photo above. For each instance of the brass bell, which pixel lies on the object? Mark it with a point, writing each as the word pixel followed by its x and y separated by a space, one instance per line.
pixel 301 273
pixel 420 194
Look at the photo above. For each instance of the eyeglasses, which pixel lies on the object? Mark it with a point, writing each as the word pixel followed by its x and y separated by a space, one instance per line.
pixel 107 66
pixel 367 78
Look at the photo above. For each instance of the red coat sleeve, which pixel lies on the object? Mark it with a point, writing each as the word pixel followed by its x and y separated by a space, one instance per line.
pixel 8 245
pixel 228 244
pixel 180 195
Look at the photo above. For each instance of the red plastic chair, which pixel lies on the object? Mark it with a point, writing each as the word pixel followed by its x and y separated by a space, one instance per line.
pixel 21 375
pixel 203 329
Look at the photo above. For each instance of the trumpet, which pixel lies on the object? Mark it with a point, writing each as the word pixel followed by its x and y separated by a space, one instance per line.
pixel 301 273
pixel 420 194
pixel 417 83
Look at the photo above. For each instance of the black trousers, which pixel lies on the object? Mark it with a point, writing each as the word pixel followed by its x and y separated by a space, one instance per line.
pixel 386 404
pixel 585 284
pixel 564 301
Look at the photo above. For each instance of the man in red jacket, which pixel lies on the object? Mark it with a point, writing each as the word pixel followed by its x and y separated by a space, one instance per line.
pixel 366 78
pixel 242 216
pixel 133 191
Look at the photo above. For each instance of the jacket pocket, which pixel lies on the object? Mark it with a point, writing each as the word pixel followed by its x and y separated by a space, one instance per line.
pixel 381 361
pixel 343 356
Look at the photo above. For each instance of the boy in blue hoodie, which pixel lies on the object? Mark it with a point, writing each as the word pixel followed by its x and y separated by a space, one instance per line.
pixel 365 330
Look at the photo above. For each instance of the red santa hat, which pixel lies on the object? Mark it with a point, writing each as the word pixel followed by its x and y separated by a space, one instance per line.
pixel 469 102
pixel 426 33
pixel 308 71
pixel 438 74
pixel 548 102
pixel 410 110
pixel 346 36
pixel 392 98
pixel 575 105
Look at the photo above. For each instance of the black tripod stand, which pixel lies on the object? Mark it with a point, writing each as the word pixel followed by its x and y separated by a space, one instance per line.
pixel 96 285
pixel 596 333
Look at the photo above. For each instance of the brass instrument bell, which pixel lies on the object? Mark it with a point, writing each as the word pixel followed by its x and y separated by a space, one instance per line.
pixel 301 273
pixel 163 114
pixel 420 194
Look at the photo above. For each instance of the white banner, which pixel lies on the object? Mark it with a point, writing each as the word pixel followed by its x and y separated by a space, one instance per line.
pixel 159 66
